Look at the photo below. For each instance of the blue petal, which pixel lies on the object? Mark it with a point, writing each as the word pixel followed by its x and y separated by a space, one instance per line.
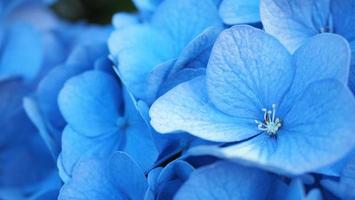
pixel 122 20
pixel 162 79
pixel 11 92
pixel 239 11
pixel 147 5
pixel 294 22
pixel 139 144
pixel 51 140
pixel 324 110
pixel 197 51
pixel 225 180
pixel 344 188
pixel 139 41
pixel 48 90
pixel 187 108
pixel 22 52
pixel 90 103
pixel 138 134
pixel 315 61
pixel 156 79
pixel 170 30
pixel 76 147
pixel 169 180
pixel 103 179
pixel 176 169
pixel 248 70
pixel 184 26
pixel 344 18
pixel 180 77
pixel 336 168
pixel 152 183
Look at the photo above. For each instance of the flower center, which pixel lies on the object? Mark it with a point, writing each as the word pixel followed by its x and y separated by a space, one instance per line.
pixel 328 27
pixel 271 123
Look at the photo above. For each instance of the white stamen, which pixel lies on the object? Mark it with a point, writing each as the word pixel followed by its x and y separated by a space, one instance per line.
pixel 271 124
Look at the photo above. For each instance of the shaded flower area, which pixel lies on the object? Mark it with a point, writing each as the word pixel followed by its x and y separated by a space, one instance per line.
pixel 184 100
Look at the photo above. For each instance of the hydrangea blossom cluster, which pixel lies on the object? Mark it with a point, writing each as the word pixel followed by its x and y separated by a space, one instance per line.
pixel 185 100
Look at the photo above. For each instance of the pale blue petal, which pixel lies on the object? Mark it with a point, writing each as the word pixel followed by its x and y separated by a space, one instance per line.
pixel 225 180
pixel 239 11
pixel 90 103
pixel 293 22
pixel 315 133
pixel 187 108
pixel 315 61
pixel 248 70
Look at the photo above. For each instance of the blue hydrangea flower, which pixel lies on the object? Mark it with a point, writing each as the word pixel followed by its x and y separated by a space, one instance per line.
pixel 295 22
pixel 28 167
pixel 101 121
pixel 226 180
pixel 290 112
pixel 184 39
pixel 41 106
pixel 134 48
pixel 116 177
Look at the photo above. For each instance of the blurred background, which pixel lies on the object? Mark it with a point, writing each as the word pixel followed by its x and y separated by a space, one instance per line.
pixel 94 11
